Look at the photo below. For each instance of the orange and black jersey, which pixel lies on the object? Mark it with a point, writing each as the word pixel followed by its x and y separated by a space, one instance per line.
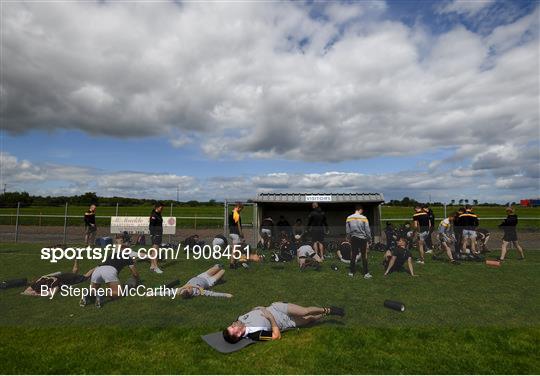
pixel 89 218
pixel 261 335
pixel 235 221
pixel 423 220
pixel 468 221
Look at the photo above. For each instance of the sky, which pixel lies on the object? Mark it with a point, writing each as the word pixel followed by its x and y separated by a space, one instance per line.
pixel 430 100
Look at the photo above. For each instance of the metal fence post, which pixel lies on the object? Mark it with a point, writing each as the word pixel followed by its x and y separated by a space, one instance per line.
pixel 116 209
pixel 65 224
pixel 225 218
pixel 17 222
pixel 170 236
pixel 445 211
pixel 255 221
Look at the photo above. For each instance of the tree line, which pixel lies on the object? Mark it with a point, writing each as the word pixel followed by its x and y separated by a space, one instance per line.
pixel 10 200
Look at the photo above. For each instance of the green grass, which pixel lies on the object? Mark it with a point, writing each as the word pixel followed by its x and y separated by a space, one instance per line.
pixel 388 212
pixel 459 319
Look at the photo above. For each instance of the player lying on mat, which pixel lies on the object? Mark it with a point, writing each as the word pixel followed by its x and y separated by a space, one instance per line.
pixel 267 323
pixel 200 285
pixel 306 256
pixel 395 259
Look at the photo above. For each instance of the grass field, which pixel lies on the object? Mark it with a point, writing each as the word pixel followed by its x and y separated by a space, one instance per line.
pixel 388 212
pixel 459 319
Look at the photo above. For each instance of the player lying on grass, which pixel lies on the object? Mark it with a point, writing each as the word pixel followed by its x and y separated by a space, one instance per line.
pixel 48 284
pixel 201 284
pixel 306 257
pixel 395 259
pixel 246 255
pixel 267 323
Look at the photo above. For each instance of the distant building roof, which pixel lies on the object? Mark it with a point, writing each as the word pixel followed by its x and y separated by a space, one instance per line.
pixel 319 197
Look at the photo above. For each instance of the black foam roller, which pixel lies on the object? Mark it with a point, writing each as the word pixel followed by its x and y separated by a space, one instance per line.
pixel 13 283
pixel 396 306
pixel 171 284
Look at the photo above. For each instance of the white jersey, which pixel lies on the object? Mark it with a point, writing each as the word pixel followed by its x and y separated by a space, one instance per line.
pixel 305 251
pixel 445 227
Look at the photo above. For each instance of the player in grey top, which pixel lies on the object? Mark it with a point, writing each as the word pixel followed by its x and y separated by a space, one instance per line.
pixel 358 234
pixel 267 323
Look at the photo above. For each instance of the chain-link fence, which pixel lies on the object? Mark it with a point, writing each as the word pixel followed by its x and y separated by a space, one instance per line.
pixel 65 225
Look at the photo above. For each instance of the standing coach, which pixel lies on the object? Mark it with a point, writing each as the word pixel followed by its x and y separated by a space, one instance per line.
pixel 156 233
pixel 359 234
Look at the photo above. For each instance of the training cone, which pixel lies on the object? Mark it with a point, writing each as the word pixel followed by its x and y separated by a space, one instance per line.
pixel 493 263
pixel 396 306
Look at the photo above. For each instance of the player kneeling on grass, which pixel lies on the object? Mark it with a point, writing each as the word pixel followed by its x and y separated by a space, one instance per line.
pixel 267 323
pixel 345 251
pixel 200 285
pixel 107 273
pixel 220 241
pixel 307 256
pixel 396 258
pixel 447 238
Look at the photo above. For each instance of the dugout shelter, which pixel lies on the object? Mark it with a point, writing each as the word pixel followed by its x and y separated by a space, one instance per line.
pixel 337 206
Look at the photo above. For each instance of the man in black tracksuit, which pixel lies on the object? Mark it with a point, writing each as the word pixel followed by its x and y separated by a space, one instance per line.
pixel 156 233
pixel 458 231
pixel 317 226
pixel 431 216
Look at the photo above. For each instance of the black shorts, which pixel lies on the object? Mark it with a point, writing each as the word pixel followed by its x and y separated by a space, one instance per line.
pixel 358 245
pixel 317 235
pixel 510 237
pixel 89 230
pixel 157 239
pixel 399 265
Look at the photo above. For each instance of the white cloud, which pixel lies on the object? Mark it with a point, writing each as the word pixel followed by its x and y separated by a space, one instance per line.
pixel 465 7
pixel 439 183
pixel 509 35
pixel 181 141
pixel 268 81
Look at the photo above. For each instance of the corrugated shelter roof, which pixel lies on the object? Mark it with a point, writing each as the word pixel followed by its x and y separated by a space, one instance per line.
pixel 319 197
